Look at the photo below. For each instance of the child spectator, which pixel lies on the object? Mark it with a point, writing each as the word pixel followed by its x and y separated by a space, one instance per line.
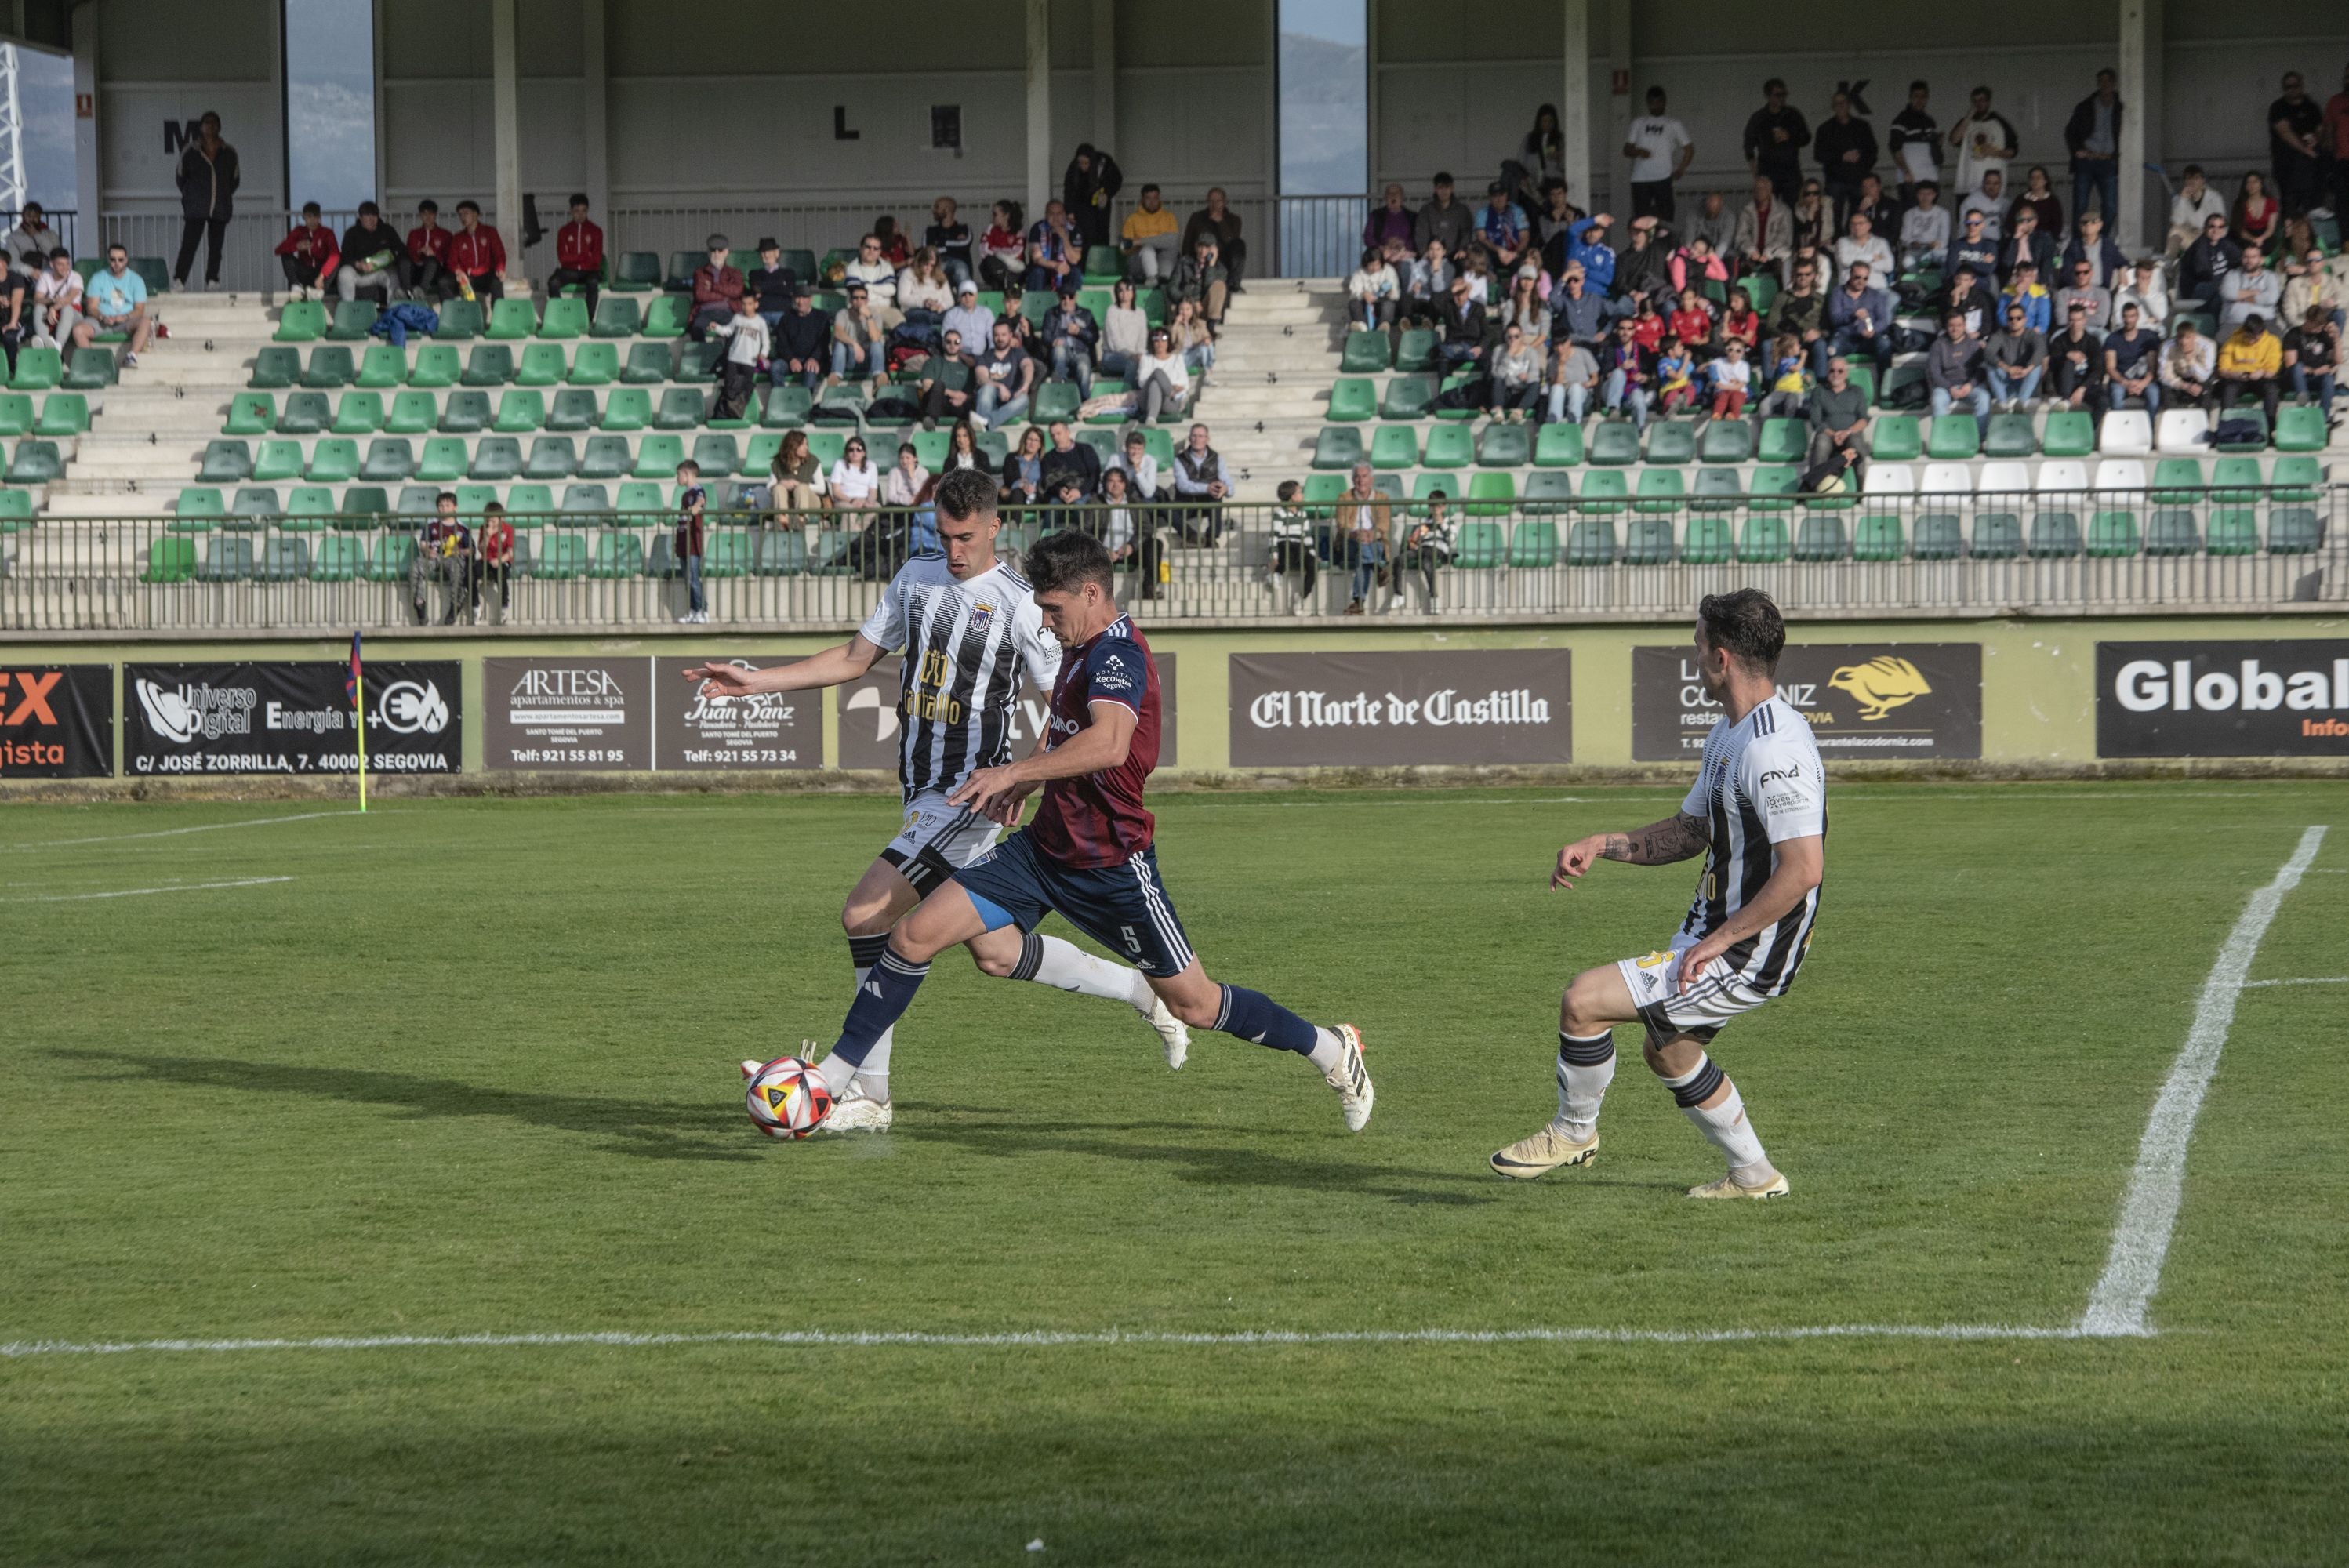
pixel 1675 375
pixel 494 560
pixel 1732 377
pixel 1427 548
pixel 1691 321
pixel 1291 558
pixel 746 349
pixel 1787 382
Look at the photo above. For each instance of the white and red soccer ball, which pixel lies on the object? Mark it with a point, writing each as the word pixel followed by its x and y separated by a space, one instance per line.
pixel 786 1099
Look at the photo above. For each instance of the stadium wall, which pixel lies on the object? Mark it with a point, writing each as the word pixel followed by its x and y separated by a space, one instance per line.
pixel 2005 696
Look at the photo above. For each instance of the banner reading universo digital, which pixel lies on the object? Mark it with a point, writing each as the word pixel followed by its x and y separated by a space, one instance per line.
pixel 1451 707
pixel 1864 701
pixel 289 719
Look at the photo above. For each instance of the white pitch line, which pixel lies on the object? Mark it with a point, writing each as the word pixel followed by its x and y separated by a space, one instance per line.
pixel 2149 1207
pixel 175 832
pixel 143 892
pixel 1049 1338
pixel 2328 980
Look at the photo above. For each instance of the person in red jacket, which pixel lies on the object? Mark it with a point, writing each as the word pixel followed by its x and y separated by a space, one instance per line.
pixel 475 251
pixel 716 287
pixel 578 255
pixel 308 253
pixel 428 254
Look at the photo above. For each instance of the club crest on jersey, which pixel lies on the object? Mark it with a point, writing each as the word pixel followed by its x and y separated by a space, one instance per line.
pixel 981 617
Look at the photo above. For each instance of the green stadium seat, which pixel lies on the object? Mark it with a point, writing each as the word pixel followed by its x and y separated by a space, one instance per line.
pixel 1783 441
pixel 411 414
pixel 1660 491
pixel 1649 541
pixel 358 414
pixel 666 317
pixel 338 561
pixel 2295 479
pixel 2177 482
pixel 1338 447
pixel 169 561
pixel 1902 377
pixel 36 463
pixel 617 317
pixel 1547 491
pixel 1558 445
pixel 444 459
pixel 1533 543
pixel 1052 401
pixel 2236 480
pixel 2010 436
pixel 1393 447
pixel 1955 439
pixel 304 413
pixel 382 367
pixel 1416 350
pixel 153 271
pixel 742 421
pixel 331 367
pixel 1763 541
pixel 253 506
pixel 1879 538
pixel 333 460
pixel 226 561
pixel 302 320
pixel 1605 492
pixel 643 501
pixel 64 415
pixel 1615 443
pixel 519 413
pixel 1365 353
pixel 390 460
pixel 1505 446
pixel 1448 447
pixel 717 456
pixel 364 507
pixel 283 561
pixel 511 319
pixel 2257 443
pixel 1998 536
pixel 682 407
pixel 1708 542
pixel 1492 495
pixel 39 369
pixel 584 501
pixel 1353 399
pixel 1940 536
pixel 1774 487
pixel 1895 438
pixel 354 320
pixel 607 457
pixel 1457 383
pixel 2234 531
pixel 1428 485
pixel 759 456
pixel 417 501
pixel 16 413
pixel 308 508
pixel 278 459
pixel 1725 441
pixel 657 457
pixel 388 558
pixel 1863 381
pixel 2112 534
pixel 682 264
pixel 1479 546
pixel 594 365
pixel 1409 397
pixel 781 553
pixel 618 554
pixel 1322 492
pixel 562 318
pixel 465 414
pixel 826 447
pixel 1591 542
pixel 2294 531
pixel 530 506
pixel 461 321
pixel 541 363
pixel 490 364
pixel 647 365
pixel 574 411
pixel 225 462
pixel 660 561
pixel 1672 442
pixel 2300 428
pixel 636 272
pixel 1717 490
pixel 198 509
pixel 699 361
pixel 786 407
pixel 437 366
pixel 90 370
pixel 496 459
pixel 2070 433
pixel 728 552
pixel 2172 532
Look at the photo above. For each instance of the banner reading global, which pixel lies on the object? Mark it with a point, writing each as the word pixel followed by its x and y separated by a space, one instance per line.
pixel 1454 706
pixel 2284 698
pixel 289 719
pixel 869 719
pixel 56 721
pixel 1894 701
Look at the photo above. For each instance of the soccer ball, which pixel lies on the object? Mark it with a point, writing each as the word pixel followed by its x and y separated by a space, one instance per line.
pixel 786 1099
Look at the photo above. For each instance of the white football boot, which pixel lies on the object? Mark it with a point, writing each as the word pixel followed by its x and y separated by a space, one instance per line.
pixel 1730 1187
pixel 1545 1151
pixel 857 1111
pixel 1172 1032
pixel 1351 1080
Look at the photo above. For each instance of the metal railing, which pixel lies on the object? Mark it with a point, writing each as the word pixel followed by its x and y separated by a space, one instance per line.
pixel 63 220
pixel 2042 553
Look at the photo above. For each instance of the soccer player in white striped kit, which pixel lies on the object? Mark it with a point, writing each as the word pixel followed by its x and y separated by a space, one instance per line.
pixel 1757 812
pixel 968 625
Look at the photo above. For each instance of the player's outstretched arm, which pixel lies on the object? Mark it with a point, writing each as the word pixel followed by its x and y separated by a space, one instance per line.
pixel 833 666
pixel 1676 838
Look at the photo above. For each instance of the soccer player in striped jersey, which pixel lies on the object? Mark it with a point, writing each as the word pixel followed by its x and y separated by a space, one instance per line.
pixel 969 628
pixel 1090 855
pixel 1757 812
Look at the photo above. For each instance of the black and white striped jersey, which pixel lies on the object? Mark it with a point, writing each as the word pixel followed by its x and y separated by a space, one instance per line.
pixel 1760 784
pixel 966 644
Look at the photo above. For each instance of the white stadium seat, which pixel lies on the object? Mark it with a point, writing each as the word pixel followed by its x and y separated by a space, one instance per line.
pixel 2064 474
pixel 1890 479
pixel 2128 433
pixel 2004 479
pixel 1948 479
pixel 2182 430
pixel 2120 474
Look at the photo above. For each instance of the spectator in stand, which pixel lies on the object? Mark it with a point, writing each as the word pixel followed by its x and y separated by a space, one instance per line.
pixel 771 280
pixel 2028 245
pixel 1373 293
pixel 2333 137
pixel 1859 317
pixel 1088 187
pixel 307 254
pixel 1990 203
pixel 1846 148
pixel 1730 376
pixel 1203 278
pixel 1002 252
pixel 1712 225
pixel 1124 333
pixel 1764 237
pixel 1517 379
pixel 1429 285
pixel 950 238
pixel 1690 320
pixel 1573 380
pixel 1291 561
pixel 2189 368
pixel 855 481
pixel 1628 368
pixel 1464 326
pixel 2294 152
pixel 2083 292
pixel 2025 290
pixel 373 259
pixel 1695 264
pixel 1065 462
pixel 16 314
pixel 1861 242
pixel 690 538
pixel 1426 550
pixel 795 481
pixel 907 478
pixel 1502 225
pixel 2309 277
pixel 477 257
pixel 1477 266
pixel 2257 215
pixel 208 175
pixel 494 560
pixel 442 544
pixel 1587 247
pixel 1883 212
pixel 2251 363
pixel 1150 241
pixel 2133 361
pixel 1006 377
pixel 2311 357
pixel 716 287
pixel 802 343
pixel 2250 290
pixel 1924 229
pixel 1442 219
pixel 2107 268
pixel 1576 313
pixel 1775 135
pixel 859 340
pixel 2191 209
pixel 747 346
pixel 1644 272
pixel 1070 332
pixel 1956 375
pixel 2093 136
pixel 1191 337
pixel 1741 321
pixel 2038 196
pixel 1916 143
pixel 1217 218
pixel 1525 309
pixel 1556 216
pixel 1969 297
pixel 1204 482
pixel 895 248
pixel 2076 362
pixel 1142 479
pixel 1393 219
pixel 428 255
pixel 1787 380
pixel 924 295
pixel 1812 218
pixel 579 256
pixel 873 269
pixel 1837 413
pixel 962 451
pixel 1660 151
pixel 2018 360
pixel 2208 262
pixel 1131 543
pixel 2149 293
pixel 57 302
pixel 1056 251
pixel 1365 534
pixel 28 245
pixel 944 391
pixel 1801 310
pixel 973 320
pixel 1542 153
pixel 1985 139
pixel 1023 468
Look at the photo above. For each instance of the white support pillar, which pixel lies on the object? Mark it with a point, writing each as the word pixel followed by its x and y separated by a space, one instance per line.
pixel 1105 76
pixel 1623 83
pixel 1040 107
pixel 1574 105
pixel 505 131
pixel 87 233
pixel 594 114
pixel 2139 69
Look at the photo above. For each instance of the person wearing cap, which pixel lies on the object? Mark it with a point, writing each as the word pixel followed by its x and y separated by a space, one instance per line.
pixel 773 282
pixel 973 320
pixel 428 255
pixel 801 350
pixel 1151 239
pixel 578 255
pixel 2251 364
pixel 373 258
pixel 207 177
pixel 476 256
pixel 1070 332
pixel 716 287
pixel 1502 224
pixel 1442 218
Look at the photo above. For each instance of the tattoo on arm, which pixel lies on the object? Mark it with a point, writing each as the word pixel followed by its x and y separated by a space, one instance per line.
pixel 1677 838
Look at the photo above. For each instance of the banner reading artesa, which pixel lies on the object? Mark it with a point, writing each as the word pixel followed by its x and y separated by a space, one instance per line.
pixel 1463 705
pixel 1864 701
pixel 56 721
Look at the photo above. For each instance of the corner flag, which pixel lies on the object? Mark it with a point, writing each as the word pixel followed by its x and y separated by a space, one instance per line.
pixel 354 689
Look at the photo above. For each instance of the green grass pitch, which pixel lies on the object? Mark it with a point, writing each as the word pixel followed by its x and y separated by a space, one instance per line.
pixel 471 1070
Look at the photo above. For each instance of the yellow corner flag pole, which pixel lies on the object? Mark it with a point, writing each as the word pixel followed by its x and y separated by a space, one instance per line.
pixel 359 713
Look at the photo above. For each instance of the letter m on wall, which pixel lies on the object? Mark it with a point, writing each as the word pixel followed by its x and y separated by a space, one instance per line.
pixel 178 133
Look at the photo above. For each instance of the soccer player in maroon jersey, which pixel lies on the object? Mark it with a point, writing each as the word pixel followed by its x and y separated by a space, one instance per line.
pixel 1089 854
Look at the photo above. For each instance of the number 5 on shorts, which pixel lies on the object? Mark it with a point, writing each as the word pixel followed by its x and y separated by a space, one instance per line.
pixel 1132 943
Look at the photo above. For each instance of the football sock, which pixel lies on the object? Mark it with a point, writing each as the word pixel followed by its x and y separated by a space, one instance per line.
pixel 1329 1051
pixel 1049 961
pixel 1259 1020
pixel 882 997
pixel 1585 1068
pixel 1724 1124
pixel 874 1074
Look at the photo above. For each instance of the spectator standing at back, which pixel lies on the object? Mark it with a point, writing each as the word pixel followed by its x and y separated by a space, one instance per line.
pixel 2334 140
pixel 579 256
pixel 2093 136
pixel 1775 135
pixel 428 254
pixel 476 256
pixel 1846 148
pixel 717 285
pixel 692 503
pixel 1151 239
pixel 2293 121
pixel 1985 141
pixel 1088 187
pixel 307 254
pixel 1442 219
pixel 1217 218
pixel 373 259
pixel 950 237
pixel 208 175
pixel 1660 151
pixel 745 333
pixel 1916 142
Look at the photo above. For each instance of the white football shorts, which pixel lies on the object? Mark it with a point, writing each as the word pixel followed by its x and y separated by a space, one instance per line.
pixel 1654 981
pixel 938 841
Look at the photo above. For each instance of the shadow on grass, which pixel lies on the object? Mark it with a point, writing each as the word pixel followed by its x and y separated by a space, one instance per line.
pixel 644 1130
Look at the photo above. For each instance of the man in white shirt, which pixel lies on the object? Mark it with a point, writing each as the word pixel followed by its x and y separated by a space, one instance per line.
pixel 1925 228
pixel 872 269
pixel 1660 151
pixel 1864 244
pixel 1990 203
pixel 57 300
pixel 2193 207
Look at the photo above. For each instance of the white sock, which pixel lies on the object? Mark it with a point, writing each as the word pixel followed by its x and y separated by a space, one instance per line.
pixel 1726 1123
pixel 1065 966
pixel 1329 1051
pixel 1585 1068
pixel 835 1072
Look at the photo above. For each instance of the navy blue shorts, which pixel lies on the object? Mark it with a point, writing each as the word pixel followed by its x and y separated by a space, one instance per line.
pixel 1124 908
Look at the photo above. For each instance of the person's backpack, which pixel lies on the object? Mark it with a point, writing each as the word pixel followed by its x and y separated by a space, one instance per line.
pixel 1474 394
pixel 2237 432
pixel 1830 476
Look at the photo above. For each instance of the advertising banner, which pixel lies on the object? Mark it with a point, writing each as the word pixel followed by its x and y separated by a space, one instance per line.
pixel 2287 697
pixel 1895 701
pixel 774 729
pixel 561 714
pixel 289 719
pixel 56 721
pixel 1392 709
pixel 870 722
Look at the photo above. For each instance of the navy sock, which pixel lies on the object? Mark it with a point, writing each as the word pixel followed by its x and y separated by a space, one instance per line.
pixel 887 991
pixel 1259 1020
